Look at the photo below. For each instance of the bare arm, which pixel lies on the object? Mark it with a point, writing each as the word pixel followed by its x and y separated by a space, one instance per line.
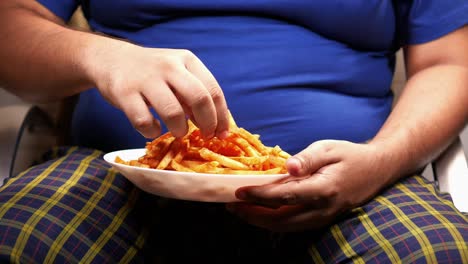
pixel 43 60
pixel 433 107
pixel 42 55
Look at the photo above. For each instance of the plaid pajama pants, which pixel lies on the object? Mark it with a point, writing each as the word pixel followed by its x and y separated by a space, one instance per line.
pixel 75 209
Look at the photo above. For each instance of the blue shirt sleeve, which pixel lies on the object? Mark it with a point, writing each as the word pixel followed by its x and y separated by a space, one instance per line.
pixel 421 21
pixel 62 8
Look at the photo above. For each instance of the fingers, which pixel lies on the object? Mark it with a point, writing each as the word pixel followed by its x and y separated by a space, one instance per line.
pixel 174 82
pixel 196 99
pixel 140 117
pixel 197 93
pixel 169 108
pixel 322 186
pixel 310 182
pixel 195 66
pixel 316 191
pixel 311 159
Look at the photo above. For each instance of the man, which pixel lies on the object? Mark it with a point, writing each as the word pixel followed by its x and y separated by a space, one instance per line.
pixel 312 77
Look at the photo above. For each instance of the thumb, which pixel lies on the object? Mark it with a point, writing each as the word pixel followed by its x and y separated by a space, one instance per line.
pixel 310 160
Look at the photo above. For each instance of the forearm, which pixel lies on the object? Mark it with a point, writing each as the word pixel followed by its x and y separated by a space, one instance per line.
pixel 432 111
pixel 43 60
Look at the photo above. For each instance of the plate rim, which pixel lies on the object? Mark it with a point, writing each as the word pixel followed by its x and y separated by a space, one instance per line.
pixel 183 173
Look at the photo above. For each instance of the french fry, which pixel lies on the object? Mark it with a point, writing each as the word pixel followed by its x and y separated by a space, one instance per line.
pixel 208 167
pixel 120 160
pixel 277 161
pixel 245 146
pixel 223 160
pixel 232 123
pixel 154 154
pixel 166 160
pixel 179 167
pixel 253 140
pixel 192 163
pixel 182 150
pixel 241 153
pixel 284 154
pixel 250 161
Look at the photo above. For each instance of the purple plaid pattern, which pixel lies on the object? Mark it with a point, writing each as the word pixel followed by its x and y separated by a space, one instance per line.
pixel 417 223
pixel 79 211
pixel 74 209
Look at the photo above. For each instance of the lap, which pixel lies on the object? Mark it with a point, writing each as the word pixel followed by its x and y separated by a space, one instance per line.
pixel 70 209
pixel 74 208
pixel 408 223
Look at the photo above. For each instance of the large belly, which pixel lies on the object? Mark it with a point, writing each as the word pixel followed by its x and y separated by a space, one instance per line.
pixel 280 80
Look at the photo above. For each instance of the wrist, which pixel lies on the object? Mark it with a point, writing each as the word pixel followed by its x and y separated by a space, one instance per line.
pixel 392 157
pixel 96 57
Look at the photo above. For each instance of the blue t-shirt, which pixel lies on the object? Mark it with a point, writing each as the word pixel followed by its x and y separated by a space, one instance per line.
pixel 293 71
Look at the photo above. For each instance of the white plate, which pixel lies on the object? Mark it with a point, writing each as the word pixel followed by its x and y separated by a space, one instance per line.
pixel 185 185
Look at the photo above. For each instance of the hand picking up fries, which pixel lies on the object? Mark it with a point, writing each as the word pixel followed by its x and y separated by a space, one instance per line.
pixel 240 153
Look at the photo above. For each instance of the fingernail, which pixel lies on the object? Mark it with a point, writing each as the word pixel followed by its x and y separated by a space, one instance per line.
pixel 223 135
pixel 208 136
pixel 295 165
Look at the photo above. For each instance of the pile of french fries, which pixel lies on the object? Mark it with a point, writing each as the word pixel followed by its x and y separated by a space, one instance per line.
pixel 240 153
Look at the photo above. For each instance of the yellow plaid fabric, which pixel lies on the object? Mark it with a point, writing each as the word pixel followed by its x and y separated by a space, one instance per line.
pixel 408 223
pixel 75 209
pixel 68 210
